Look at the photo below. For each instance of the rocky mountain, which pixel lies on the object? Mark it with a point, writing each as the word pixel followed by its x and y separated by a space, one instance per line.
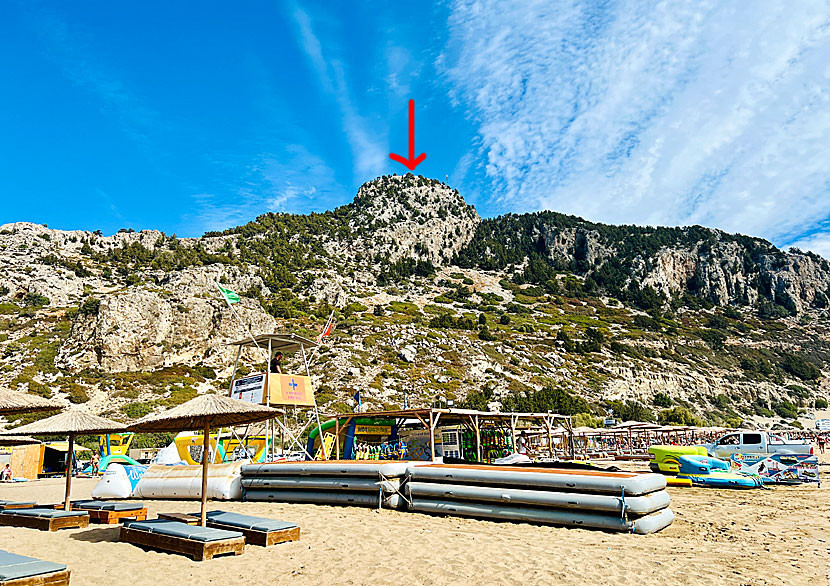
pixel 536 311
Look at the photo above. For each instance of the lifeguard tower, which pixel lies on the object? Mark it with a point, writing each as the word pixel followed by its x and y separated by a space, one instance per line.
pixel 274 389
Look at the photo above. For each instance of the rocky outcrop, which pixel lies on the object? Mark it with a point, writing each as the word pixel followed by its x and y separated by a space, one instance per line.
pixel 185 322
pixel 406 216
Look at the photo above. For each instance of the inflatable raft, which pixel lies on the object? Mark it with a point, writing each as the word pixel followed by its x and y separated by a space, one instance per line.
pixel 589 498
pixel 368 484
pixel 589 481
pixel 664 458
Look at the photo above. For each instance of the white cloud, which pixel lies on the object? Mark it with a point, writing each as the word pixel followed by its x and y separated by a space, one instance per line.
pixel 818 243
pixel 369 147
pixel 681 112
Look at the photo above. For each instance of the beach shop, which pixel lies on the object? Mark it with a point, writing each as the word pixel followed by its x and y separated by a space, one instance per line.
pixel 431 433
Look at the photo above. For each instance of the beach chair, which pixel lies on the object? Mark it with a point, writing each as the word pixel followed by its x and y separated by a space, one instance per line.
pixel 44 519
pixel 111 512
pixel 199 543
pixel 257 530
pixel 17 505
pixel 20 570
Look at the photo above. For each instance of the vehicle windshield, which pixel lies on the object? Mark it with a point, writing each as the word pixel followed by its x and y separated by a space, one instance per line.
pixel 729 440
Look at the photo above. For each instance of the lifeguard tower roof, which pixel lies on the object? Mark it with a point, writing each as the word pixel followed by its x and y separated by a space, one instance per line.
pixel 285 343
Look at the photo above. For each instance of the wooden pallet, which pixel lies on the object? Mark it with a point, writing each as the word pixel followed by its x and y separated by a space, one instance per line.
pixel 54 579
pixel 263 538
pixel 198 550
pixel 16 506
pixel 44 524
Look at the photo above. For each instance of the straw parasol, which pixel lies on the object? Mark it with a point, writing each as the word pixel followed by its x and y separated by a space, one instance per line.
pixel 19 440
pixel 69 423
pixel 19 402
pixel 204 412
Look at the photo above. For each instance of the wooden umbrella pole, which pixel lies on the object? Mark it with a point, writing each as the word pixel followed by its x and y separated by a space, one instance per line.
pixel 70 453
pixel 205 450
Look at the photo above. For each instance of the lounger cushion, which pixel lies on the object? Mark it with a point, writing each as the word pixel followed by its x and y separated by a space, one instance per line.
pixel 45 513
pixel 4 504
pixel 108 506
pixel 248 521
pixel 183 530
pixel 13 566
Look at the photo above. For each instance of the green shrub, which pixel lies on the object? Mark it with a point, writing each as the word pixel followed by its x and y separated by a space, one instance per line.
pixel 715 339
pixel 678 416
pixel 821 403
pixel 137 410
pixel 486 335
pixel 720 401
pixel 786 409
pixel 35 300
pixel 662 400
pixel 89 306
pixel 799 367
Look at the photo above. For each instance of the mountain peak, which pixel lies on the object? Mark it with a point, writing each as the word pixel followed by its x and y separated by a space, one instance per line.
pixel 412 216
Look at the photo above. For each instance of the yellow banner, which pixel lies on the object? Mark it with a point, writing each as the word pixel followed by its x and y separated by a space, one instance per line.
pixel 373 429
pixel 289 389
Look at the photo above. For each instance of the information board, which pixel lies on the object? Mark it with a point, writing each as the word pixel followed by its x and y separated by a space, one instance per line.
pixel 250 389
pixel 289 389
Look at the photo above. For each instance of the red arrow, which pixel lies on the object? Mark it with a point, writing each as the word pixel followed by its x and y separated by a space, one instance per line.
pixel 411 162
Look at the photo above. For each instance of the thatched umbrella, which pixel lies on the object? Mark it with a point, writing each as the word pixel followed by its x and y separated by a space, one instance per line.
pixel 69 423
pixel 18 440
pixel 204 412
pixel 19 402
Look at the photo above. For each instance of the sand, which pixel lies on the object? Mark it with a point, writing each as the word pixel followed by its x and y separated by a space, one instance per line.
pixel 779 536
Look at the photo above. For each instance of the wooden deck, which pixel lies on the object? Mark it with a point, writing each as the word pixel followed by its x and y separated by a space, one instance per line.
pixel 198 550
pixel 44 524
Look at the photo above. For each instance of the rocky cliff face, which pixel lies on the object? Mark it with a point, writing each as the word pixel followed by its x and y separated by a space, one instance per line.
pixel 180 321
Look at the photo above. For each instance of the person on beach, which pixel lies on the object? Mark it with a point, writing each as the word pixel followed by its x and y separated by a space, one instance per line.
pixel 276 363
pixel 6 474
pixel 95 461
pixel 822 441
pixel 522 443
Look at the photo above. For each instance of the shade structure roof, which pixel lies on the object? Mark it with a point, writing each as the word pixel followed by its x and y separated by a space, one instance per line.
pixel 71 421
pixel 19 402
pixel 216 410
pixel 285 343
pixel 18 440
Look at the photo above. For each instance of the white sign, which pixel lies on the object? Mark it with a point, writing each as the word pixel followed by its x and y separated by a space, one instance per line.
pixel 250 389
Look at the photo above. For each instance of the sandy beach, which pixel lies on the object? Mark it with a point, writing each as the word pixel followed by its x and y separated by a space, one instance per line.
pixel 778 536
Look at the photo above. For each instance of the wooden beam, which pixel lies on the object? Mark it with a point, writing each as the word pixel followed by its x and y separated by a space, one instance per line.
pixel 70 456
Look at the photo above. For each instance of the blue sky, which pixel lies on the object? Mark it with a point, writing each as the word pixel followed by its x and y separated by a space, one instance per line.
pixel 189 117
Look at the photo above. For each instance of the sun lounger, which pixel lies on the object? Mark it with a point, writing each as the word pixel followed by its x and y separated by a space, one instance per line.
pixel 200 543
pixel 257 530
pixel 17 505
pixel 19 570
pixel 44 519
pixel 111 511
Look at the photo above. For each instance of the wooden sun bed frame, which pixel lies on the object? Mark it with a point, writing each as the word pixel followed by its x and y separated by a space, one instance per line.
pixel 43 523
pixel 252 536
pixel 110 517
pixel 11 506
pixel 60 578
pixel 198 550
pixel 263 538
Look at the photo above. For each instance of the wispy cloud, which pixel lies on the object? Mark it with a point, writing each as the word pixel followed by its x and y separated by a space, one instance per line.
pixel 706 112
pixel 368 145
pixel 275 182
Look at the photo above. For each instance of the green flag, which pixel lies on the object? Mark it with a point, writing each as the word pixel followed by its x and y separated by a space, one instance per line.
pixel 230 296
